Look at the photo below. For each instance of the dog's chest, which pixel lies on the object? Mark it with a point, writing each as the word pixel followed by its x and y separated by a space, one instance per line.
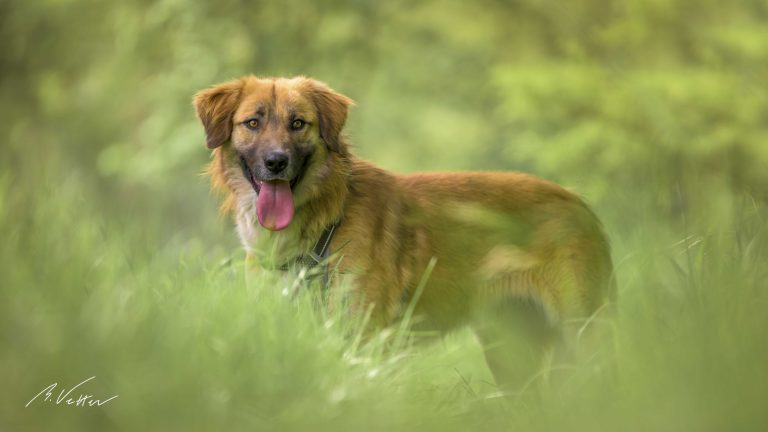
pixel 273 248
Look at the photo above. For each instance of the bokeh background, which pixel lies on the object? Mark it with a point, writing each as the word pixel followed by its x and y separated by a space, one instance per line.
pixel 114 263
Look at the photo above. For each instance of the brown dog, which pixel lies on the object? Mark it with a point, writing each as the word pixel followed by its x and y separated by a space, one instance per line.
pixel 518 258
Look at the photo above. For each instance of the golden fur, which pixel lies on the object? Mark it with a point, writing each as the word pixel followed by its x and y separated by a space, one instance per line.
pixel 501 240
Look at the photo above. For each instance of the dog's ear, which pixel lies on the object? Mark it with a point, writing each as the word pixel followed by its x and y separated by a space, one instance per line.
pixel 332 113
pixel 215 107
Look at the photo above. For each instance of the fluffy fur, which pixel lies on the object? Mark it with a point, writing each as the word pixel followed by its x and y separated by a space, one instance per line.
pixel 512 250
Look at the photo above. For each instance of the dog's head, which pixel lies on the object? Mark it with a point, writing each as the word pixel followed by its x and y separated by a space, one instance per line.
pixel 280 134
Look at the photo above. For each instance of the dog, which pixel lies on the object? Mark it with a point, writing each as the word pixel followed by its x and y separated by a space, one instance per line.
pixel 521 260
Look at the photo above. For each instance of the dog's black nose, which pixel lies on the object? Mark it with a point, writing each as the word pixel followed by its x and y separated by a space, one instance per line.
pixel 276 162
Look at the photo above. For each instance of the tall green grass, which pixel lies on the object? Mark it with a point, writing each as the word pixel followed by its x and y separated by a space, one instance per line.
pixel 169 325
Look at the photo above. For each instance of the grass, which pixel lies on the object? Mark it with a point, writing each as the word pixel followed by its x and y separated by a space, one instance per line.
pixel 168 324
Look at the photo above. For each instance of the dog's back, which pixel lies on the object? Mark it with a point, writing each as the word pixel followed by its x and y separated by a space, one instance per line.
pixel 495 236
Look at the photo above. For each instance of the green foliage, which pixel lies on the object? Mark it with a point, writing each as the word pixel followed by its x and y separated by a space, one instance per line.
pixel 691 127
pixel 113 262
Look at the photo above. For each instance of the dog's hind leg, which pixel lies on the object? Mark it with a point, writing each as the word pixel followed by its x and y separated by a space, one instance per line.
pixel 517 338
pixel 547 327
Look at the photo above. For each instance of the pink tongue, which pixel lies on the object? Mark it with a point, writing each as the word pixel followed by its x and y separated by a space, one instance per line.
pixel 274 206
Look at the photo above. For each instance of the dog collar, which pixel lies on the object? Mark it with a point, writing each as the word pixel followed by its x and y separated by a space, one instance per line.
pixel 317 256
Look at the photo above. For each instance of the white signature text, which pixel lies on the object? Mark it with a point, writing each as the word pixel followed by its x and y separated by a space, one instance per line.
pixel 82 399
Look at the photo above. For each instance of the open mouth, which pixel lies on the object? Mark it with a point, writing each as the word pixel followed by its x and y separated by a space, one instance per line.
pixel 274 202
pixel 257 183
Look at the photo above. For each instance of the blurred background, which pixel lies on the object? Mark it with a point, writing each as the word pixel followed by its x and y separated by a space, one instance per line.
pixel 115 262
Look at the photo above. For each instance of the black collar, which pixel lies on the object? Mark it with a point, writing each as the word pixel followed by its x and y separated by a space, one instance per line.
pixel 317 256
pixel 322 248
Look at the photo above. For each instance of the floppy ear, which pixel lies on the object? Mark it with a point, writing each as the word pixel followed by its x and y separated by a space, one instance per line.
pixel 215 107
pixel 331 112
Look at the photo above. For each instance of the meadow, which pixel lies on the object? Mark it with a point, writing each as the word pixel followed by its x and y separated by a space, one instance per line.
pixel 114 262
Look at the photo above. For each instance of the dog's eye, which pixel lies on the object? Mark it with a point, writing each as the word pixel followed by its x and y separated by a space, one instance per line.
pixel 252 123
pixel 298 124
